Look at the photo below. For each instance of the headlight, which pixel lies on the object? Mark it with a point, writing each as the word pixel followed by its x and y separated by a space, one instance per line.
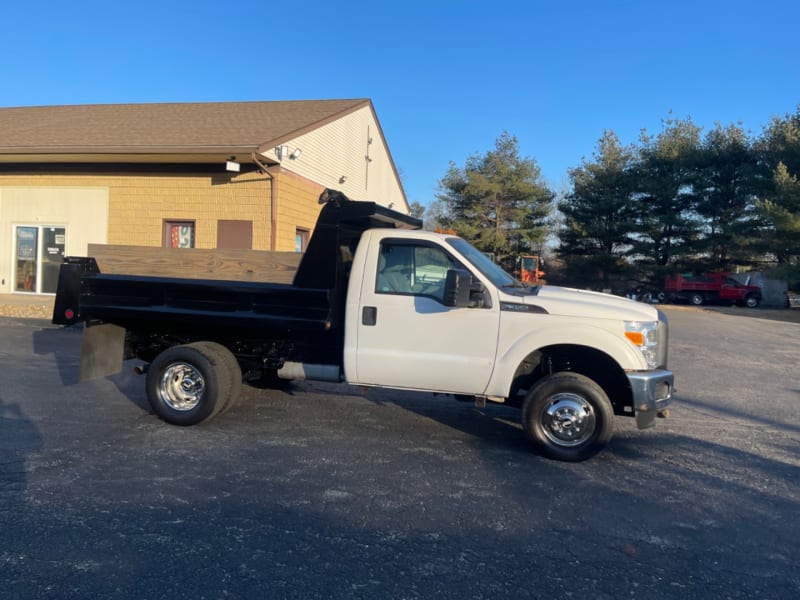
pixel 645 337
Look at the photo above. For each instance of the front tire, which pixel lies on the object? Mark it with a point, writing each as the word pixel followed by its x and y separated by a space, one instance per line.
pixel 567 416
pixel 184 384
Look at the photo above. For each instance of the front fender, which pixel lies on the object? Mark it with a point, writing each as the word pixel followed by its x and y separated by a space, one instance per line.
pixel 518 346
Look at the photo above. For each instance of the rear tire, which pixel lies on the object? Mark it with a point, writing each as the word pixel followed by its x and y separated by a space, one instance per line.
pixel 184 384
pixel 696 299
pixel 231 373
pixel 567 416
pixel 752 301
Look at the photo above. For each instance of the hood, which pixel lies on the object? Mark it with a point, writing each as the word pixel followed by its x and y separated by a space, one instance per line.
pixel 580 303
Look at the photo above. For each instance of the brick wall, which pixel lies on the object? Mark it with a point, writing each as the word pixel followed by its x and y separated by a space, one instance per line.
pixel 139 203
pixel 297 207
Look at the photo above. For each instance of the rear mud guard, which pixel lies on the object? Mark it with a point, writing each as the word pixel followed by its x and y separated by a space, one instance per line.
pixel 102 350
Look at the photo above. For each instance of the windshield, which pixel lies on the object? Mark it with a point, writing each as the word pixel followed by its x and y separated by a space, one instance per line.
pixel 484 264
pixel 530 263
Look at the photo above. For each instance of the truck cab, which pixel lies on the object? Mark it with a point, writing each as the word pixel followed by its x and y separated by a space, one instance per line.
pixel 427 311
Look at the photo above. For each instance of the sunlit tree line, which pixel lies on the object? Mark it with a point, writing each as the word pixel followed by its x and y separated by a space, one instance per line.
pixel 679 200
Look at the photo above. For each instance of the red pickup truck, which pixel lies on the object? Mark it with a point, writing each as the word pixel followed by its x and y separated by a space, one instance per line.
pixel 711 288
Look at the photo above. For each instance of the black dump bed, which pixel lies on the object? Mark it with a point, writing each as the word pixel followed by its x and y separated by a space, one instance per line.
pixel 314 302
pixel 165 303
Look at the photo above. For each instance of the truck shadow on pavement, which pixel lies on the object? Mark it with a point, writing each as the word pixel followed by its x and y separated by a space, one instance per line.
pixel 493 426
pixel 64 344
pixel 19 438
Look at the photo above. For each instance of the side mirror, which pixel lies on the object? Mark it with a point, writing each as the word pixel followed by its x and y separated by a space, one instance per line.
pixel 457 288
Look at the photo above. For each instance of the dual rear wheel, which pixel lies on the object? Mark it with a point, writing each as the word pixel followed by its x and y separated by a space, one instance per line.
pixel 193 383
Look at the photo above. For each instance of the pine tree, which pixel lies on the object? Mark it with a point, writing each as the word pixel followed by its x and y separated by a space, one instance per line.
pixel 729 180
pixel 597 214
pixel 498 201
pixel 780 206
pixel 667 228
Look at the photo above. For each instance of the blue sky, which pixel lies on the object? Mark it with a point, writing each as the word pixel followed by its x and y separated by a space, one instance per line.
pixel 446 77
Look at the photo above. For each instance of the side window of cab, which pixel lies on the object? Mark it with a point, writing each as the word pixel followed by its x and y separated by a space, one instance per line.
pixel 416 269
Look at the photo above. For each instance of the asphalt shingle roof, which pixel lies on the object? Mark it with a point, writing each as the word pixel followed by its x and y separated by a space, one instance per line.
pixel 172 127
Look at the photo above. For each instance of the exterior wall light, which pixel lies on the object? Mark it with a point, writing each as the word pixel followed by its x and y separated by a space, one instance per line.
pixel 232 166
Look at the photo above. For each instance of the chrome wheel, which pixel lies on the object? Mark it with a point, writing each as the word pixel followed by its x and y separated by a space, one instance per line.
pixel 568 420
pixel 567 416
pixel 181 386
pixel 189 384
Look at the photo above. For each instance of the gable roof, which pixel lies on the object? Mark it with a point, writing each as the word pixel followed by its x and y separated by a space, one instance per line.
pixel 170 128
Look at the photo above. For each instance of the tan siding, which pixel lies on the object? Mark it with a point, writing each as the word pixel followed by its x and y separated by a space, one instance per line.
pixel 297 207
pixel 138 204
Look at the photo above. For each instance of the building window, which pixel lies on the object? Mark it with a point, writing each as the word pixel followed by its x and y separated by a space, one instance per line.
pixel 38 254
pixel 300 239
pixel 179 234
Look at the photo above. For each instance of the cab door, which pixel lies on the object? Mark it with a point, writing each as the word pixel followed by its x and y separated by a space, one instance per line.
pixel 407 337
pixel 731 290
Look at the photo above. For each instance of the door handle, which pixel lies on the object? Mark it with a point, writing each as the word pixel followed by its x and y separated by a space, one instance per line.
pixel 369 315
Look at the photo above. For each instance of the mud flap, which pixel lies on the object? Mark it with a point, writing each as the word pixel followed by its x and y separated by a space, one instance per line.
pixel 102 349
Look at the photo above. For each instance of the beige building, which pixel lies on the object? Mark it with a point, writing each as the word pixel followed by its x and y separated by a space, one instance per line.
pixel 204 175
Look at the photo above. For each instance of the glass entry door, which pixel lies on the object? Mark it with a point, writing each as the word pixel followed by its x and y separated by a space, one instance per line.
pixel 39 252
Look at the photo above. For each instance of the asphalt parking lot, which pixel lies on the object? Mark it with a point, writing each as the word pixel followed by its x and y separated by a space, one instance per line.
pixel 328 491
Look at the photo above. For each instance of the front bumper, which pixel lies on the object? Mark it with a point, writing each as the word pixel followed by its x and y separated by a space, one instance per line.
pixel 652 392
